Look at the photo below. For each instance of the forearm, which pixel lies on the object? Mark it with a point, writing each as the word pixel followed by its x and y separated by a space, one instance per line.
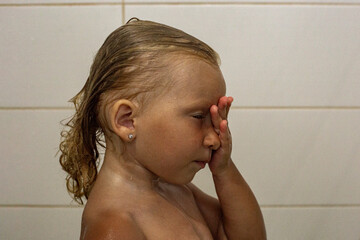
pixel 241 214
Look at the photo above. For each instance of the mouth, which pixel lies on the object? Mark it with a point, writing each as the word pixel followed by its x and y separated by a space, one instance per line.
pixel 202 164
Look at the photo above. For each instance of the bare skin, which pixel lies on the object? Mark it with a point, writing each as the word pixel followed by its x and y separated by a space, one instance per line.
pixel 148 195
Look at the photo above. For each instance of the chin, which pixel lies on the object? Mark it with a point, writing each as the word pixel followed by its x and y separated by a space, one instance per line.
pixel 181 180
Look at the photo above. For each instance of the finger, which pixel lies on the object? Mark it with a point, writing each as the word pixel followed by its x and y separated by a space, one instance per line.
pixel 224 133
pixel 215 118
pixel 223 102
pixel 229 102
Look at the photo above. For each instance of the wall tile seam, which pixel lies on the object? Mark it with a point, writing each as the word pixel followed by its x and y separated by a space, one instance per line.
pixel 295 108
pixel 66 4
pixel 290 3
pixel 303 206
pixel 123 12
pixel 36 109
pixel 42 206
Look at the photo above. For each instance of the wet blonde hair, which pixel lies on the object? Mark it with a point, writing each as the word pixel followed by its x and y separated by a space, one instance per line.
pixel 128 65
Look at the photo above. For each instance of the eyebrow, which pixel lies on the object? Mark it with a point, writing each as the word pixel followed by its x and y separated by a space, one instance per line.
pixel 198 105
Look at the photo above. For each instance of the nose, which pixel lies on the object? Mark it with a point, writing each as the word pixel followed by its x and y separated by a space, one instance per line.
pixel 211 138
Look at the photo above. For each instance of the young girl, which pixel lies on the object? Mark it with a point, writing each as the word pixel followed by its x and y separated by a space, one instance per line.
pixel 155 100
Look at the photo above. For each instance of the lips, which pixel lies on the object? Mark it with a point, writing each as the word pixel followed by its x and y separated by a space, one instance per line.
pixel 202 164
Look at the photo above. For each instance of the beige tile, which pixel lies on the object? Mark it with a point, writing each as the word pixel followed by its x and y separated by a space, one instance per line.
pixel 29 2
pixel 47 51
pixel 30 172
pixel 40 223
pixel 312 223
pixel 276 55
pixel 300 156
pixel 296 157
pixel 171 1
pixel 287 157
pixel 244 1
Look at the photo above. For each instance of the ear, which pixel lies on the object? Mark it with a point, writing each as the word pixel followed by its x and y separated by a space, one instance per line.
pixel 122 119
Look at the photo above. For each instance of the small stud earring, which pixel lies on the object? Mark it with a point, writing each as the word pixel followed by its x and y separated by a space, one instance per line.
pixel 130 136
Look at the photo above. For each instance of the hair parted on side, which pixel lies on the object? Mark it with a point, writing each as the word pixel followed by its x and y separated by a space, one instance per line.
pixel 126 66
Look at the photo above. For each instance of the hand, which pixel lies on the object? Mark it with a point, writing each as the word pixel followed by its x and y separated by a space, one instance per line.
pixel 221 158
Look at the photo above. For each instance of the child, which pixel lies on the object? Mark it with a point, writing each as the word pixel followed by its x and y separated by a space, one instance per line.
pixel 155 101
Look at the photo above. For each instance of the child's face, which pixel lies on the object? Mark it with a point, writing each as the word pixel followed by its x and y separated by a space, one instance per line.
pixel 175 130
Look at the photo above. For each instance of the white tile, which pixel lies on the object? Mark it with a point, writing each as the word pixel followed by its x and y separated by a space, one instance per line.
pixel 287 157
pixel 276 55
pixel 243 1
pixel 312 223
pixel 30 171
pixel 169 1
pixel 300 156
pixel 296 157
pixel 40 223
pixel 46 52
pixel 25 2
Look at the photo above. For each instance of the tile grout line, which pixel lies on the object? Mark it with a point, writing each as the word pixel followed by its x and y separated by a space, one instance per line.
pixel 248 3
pixel 38 206
pixel 34 108
pixel 295 108
pixel 123 11
pixel 123 2
pixel 58 4
pixel 309 205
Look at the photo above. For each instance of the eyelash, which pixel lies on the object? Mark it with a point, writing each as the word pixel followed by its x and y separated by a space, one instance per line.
pixel 199 116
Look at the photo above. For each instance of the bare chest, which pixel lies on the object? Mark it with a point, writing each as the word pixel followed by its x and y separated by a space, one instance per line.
pixel 173 220
pixel 170 222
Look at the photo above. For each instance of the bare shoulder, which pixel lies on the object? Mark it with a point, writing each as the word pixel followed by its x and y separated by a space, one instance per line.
pixel 204 200
pixel 208 206
pixel 110 225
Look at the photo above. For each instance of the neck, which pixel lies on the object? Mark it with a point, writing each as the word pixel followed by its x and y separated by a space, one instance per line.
pixel 123 169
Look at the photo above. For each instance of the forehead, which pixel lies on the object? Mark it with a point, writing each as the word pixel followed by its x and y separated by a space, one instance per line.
pixel 192 78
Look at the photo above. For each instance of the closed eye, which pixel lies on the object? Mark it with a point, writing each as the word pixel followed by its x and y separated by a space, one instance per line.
pixel 199 116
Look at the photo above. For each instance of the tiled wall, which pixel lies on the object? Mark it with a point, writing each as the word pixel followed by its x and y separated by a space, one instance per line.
pixel 292 66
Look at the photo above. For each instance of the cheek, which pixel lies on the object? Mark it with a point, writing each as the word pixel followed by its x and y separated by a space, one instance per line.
pixel 156 137
pixel 172 140
pixel 168 137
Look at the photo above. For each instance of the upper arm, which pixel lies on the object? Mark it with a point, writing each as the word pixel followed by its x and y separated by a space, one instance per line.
pixel 209 208
pixel 113 227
